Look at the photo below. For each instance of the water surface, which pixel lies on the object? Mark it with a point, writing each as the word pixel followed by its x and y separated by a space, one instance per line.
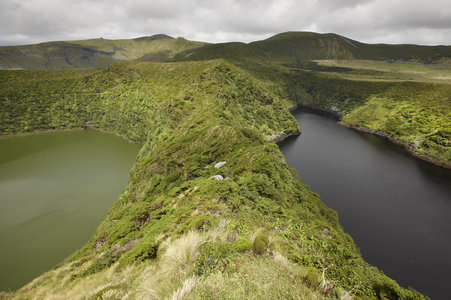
pixel 54 190
pixel 396 208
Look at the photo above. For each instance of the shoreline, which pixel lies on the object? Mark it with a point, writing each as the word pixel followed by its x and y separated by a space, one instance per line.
pixel 68 130
pixel 283 136
pixel 429 159
pixel 397 142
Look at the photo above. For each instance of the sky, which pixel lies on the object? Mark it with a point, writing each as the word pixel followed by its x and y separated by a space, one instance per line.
pixel 424 22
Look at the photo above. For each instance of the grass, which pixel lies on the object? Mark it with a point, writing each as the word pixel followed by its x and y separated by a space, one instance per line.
pixel 180 254
pixel 419 117
pixel 245 277
pixel 93 53
pixel 391 71
pixel 265 278
pixel 160 232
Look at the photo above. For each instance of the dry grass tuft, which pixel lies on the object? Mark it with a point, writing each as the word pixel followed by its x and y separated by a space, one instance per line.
pixel 186 288
pixel 180 254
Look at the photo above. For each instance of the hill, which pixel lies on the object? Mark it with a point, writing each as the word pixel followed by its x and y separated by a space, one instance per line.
pixel 338 75
pixel 288 48
pixel 95 53
pixel 314 46
pixel 212 210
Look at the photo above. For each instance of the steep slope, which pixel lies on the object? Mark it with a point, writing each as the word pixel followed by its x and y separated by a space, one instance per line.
pixel 212 210
pixel 95 53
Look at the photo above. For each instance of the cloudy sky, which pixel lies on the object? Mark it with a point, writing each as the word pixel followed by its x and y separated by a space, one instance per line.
pixel 426 22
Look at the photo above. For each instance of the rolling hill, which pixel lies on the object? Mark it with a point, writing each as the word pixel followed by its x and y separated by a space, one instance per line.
pixel 212 210
pixel 288 48
pixel 94 53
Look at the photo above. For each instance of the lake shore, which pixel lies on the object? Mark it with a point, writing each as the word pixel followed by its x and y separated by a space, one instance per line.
pixel 382 134
pixel 408 148
pixel 68 130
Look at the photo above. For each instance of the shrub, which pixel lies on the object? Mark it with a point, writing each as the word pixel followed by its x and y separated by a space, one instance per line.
pixel 260 243
pixel 146 248
pixel 212 255
pixel 203 222
pixel 312 278
pixel 242 244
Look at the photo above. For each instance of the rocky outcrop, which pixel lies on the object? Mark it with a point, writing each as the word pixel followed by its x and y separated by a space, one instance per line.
pixel 280 136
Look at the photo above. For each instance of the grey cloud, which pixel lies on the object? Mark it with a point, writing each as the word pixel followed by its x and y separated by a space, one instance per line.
pixel 168 9
pixel 382 21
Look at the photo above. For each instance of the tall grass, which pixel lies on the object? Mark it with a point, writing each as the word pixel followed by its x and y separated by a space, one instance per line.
pixel 180 254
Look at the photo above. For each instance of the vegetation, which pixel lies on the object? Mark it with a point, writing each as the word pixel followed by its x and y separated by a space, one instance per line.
pixel 195 234
pixel 418 115
pixel 212 210
pixel 94 53
pixel 364 84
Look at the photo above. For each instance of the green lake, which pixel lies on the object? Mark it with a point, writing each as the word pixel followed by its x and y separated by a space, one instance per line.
pixel 55 189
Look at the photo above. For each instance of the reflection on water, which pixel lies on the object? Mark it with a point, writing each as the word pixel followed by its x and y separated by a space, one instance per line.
pixel 396 208
pixel 55 188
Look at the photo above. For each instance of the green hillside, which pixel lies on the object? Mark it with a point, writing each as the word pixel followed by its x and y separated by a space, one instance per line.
pixel 314 46
pixel 345 77
pixel 296 48
pixel 293 48
pixel 212 210
pixel 95 53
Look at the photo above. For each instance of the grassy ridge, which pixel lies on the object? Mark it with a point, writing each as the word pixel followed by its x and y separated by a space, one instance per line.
pixel 290 48
pixel 314 46
pixel 177 230
pixel 94 53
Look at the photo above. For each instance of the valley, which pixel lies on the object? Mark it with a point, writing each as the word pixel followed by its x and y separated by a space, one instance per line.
pixel 193 105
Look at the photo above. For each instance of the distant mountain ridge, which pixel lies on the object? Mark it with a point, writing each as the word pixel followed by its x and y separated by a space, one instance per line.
pixel 309 46
pixel 288 47
pixel 92 53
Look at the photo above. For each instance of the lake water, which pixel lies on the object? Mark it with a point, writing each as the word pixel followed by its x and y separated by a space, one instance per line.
pixel 54 190
pixel 396 208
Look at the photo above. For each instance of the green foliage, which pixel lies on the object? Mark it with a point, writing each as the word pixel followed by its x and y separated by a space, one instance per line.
pixel 312 279
pixel 188 117
pixel 144 249
pixel 242 244
pixel 260 244
pixel 98 264
pixel 212 256
pixel 418 115
pixel 203 222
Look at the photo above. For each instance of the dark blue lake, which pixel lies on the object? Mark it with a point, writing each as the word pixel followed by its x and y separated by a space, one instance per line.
pixel 396 207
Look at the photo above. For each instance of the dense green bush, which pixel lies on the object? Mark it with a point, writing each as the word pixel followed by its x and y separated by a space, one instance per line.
pixel 242 244
pixel 260 244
